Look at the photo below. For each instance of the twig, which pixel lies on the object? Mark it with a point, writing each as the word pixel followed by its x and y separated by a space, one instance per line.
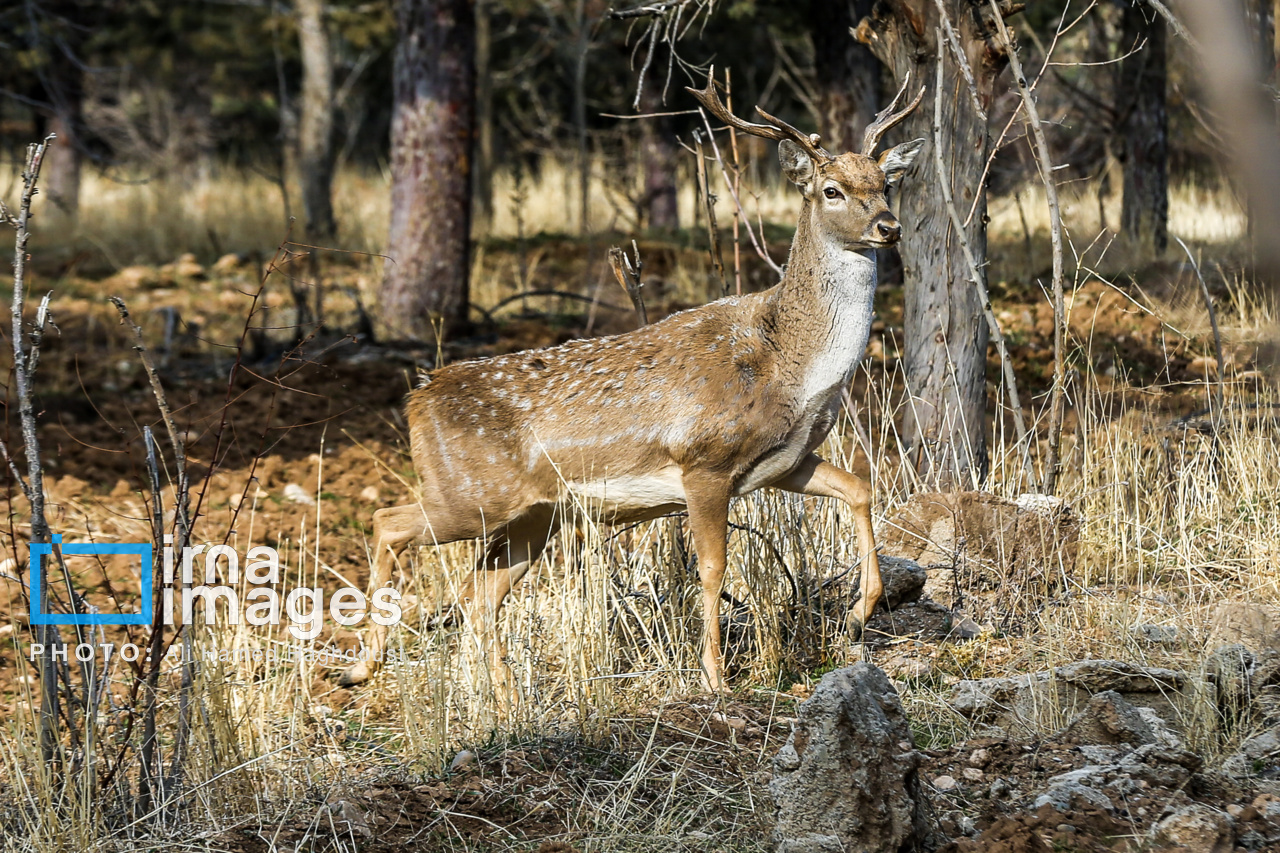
pixel 1057 395
pixel 724 173
pixel 962 62
pixel 629 277
pixel 24 363
pixel 1174 23
pixel 182 517
pixel 975 275
pixel 1213 322
pixel 709 200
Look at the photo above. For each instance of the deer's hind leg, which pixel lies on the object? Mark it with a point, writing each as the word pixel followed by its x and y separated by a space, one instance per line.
pixel 394 530
pixel 508 555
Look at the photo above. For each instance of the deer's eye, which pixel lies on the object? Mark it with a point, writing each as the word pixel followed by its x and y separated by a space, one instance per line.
pixel 832 192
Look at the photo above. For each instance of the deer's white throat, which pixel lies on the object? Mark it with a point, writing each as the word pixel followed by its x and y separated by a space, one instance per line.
pixel 847 291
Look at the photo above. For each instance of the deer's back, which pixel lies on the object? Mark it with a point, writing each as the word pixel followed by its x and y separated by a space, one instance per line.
pixel 611 419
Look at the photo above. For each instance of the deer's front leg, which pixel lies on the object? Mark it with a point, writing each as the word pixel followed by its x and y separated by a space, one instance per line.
pixel 707 497
pixel 814 476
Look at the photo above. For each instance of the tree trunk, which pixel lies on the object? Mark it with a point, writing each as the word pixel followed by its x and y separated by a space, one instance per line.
pixel 1144 127
pixel 315 127
pixel 660 158
pixel 483 179
pixel 848 74
pixel 62 164
pixel 431 130
pixel 944 429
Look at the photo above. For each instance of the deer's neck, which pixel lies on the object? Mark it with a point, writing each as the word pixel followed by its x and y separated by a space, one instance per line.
pixel 823 308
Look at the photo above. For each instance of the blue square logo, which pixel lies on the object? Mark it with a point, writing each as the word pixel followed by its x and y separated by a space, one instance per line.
pixel 142 550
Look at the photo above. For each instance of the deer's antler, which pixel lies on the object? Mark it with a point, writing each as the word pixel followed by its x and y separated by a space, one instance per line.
pixel 887 118
pixel 775 129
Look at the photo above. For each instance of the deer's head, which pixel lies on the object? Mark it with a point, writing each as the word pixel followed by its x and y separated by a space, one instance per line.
pixel 846 193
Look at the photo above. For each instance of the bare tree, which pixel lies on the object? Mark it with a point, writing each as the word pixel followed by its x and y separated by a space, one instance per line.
pixel 1143 125
pixel 946 333
pixel 659 158
pixel 431 130
pixel 315 125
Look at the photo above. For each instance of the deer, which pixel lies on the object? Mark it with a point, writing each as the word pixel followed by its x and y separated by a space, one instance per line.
pixel 686 413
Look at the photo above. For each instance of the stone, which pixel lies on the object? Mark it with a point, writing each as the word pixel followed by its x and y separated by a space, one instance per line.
pixel 903 581
pixel 464 759
pixel 1157 635
pixel 1196 827
pixel 946 784
pixel 1254 626
pixel 1108 719
pixel 298 495
pixel 994 559
pixel 1026 706
pixel 1106 786
pixel 847 777
pixel 1258 756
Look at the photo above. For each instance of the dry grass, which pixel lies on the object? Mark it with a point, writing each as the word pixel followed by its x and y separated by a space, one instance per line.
pixel 605 629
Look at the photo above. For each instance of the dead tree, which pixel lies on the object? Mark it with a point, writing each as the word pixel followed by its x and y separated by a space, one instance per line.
pixel 946 333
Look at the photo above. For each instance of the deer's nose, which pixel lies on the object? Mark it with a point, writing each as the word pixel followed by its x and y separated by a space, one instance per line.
pixel 888 229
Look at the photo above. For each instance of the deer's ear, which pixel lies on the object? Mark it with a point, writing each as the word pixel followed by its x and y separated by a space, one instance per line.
pixel 796 165
pixel 894 161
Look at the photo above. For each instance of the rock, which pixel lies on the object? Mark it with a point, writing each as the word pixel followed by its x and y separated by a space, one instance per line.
pixel 1254 626
pixel 923 619
pixel 1027 705
pixel 1105 786
pixel 847 777
pixel 1108 718
pixel 1198 828
pixel 347 816
pixel 1259 756
pixel 296 494
pixel 1070 791
pixel 464 759
pixel 903 581
pixel 370 494
pixel 1247 683
pixel 945 784
pixel 1157 635
pixel 229 262
pixel 995 559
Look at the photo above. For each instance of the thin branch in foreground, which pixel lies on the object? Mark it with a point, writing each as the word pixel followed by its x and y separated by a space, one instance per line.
pixel 1213 323
pixel 1057 395
pixel 724 173
pixel 24 363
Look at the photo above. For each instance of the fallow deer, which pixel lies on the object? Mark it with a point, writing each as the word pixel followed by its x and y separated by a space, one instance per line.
pixel 686 413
